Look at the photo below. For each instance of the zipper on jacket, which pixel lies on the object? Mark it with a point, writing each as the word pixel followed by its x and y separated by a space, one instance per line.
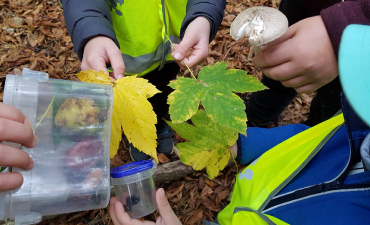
pixel 336 184
pixel 164 55
pixel 304 192
pixel 321 189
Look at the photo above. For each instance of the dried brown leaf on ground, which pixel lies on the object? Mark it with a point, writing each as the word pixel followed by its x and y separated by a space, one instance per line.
pixel 196 216
pixel 174 189
pixel 162 158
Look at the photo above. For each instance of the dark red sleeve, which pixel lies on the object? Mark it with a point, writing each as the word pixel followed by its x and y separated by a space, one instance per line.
pixel 337 17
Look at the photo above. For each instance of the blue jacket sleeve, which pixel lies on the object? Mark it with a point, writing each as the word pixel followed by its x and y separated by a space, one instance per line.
pixel 87 19
pixel 213 10
pixel 260 140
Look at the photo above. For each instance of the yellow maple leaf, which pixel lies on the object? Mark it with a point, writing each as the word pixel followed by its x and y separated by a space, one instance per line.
pixel 93 76
pixel 131 111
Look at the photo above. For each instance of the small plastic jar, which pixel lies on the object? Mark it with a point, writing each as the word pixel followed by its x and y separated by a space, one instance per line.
pixel 134 187
pixel 72 121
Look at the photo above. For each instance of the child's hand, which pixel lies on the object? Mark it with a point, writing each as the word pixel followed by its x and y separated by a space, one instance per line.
pixel 167 216
pixel 102 50
pixel 303 58
pixel 194 46
pixel 14 127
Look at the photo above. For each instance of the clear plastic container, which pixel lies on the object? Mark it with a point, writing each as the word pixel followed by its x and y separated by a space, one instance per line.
pixel 134 187
pixel 72 121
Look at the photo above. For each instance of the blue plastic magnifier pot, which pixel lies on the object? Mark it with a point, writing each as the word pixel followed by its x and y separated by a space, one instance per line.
pixel 134 187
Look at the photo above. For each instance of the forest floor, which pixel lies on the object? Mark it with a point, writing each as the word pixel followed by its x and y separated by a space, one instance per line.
pixel 33 35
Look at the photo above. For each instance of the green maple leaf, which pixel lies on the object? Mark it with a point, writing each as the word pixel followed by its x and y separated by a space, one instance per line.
pixel 214 89
pixel 209 143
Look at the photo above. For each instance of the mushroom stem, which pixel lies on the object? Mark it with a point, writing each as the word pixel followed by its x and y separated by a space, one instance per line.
pixel 257 50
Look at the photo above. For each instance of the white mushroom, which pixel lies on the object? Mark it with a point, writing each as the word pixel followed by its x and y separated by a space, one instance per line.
pixel 260 24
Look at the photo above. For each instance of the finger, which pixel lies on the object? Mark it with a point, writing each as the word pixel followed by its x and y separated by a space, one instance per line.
pixel 116 60
pixel 287 35
pixel 165 209
pixel 277 51
pixel 275 55
pixel 17 132
pixel 112 213
pixel 11 113
pixel 160 221
pixel 173 52
pixel 173 48
pixel 122 216
pixel 10 181
pixel 14 157
pixel 94 62
pixel 284 71
pixel 308 88
pixel 184 47
pixel 196 57
pixel 297 81
pixel 111 76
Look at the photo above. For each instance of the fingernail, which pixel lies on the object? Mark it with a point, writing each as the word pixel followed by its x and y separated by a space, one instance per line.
pixel 112 201
pixel 35 139
pixel 161 193
pixel 27 121
pixel 178 56
pixel 119 76
pixel 32 163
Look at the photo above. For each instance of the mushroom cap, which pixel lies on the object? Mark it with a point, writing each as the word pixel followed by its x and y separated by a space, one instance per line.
pixel 261 24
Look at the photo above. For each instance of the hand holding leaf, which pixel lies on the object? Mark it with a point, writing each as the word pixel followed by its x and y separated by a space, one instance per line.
pixel 131 111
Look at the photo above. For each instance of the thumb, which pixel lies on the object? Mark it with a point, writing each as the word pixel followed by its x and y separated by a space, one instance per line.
pixel 167 215
pixel 116 61
pixel 184 47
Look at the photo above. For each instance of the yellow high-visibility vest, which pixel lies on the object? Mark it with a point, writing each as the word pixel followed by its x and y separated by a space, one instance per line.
pixel 258 183
pixel 141 27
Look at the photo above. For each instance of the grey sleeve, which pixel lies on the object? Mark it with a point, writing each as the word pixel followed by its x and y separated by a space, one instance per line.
pixel 87 19
pixel 213 10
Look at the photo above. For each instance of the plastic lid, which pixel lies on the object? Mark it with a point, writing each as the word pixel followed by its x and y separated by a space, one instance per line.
pixel 131 168
pixel 9 89
pixel 12 82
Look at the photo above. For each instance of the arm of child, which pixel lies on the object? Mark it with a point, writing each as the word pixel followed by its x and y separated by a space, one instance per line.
pixel 198 29
pixel 305 58
pixel 167 216
pixel 90 25
pixel 14 127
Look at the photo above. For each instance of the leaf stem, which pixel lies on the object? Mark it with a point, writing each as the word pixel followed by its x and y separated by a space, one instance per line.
pixel 51 102
pixel 182 60
pixel 236 164
pixel 42 117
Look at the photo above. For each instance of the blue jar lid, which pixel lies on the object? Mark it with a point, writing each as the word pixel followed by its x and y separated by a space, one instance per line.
pixel 131 168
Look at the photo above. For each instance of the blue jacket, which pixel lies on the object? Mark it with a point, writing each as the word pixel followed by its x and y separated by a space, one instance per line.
pixel 323 192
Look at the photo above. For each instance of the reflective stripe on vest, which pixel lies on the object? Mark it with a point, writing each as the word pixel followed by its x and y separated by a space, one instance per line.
pixel 141 26
pixel 258 183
